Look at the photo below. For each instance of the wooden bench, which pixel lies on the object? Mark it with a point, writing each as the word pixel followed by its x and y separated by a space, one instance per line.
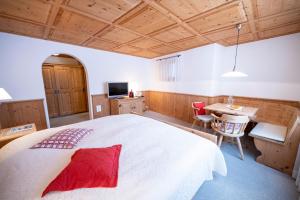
pixel 277 136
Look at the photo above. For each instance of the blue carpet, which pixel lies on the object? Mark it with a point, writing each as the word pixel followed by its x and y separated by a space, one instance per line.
pixel 247 180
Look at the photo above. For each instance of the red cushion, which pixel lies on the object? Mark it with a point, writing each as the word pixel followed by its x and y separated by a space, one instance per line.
pixel 94 167
pixel 200 106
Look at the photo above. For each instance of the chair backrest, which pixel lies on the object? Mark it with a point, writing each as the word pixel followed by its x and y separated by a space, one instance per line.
pixel 237 119
pixel 231 125
pixel 198 108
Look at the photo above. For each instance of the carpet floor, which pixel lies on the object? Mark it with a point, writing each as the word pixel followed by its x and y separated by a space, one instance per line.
pixel 246 179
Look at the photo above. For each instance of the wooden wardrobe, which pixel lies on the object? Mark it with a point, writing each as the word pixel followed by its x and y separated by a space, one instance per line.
pixel 65 87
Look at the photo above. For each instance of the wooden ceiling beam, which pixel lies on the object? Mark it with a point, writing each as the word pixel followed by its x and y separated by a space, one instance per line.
pixel 51 18
pixel 249 9
pixel 114 24
pixel 171 15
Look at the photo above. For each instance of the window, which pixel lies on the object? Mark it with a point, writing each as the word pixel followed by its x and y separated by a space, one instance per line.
pixel 168 68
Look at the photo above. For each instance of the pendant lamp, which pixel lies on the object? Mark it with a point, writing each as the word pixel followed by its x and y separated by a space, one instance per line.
pixel 234 72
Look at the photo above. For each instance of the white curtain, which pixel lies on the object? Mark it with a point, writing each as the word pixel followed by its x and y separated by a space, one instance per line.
pixel 296 170
pixel 168 68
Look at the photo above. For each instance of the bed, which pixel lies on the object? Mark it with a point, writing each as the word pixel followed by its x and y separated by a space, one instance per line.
pixel 157 161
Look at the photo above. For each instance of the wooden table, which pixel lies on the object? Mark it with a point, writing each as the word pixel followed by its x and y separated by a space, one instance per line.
pixel 9 134
pixel 224 108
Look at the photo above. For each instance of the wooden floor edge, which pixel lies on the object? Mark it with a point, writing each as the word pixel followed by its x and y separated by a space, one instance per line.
pixel 208 136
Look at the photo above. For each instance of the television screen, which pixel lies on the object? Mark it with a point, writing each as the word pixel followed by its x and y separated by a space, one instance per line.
pixel 117 89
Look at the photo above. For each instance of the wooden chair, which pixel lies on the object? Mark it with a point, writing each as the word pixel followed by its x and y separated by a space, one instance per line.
pixel 200 114
pixel 230 126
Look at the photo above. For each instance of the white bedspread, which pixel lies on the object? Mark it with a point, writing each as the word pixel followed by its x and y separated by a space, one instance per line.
pixel 157 161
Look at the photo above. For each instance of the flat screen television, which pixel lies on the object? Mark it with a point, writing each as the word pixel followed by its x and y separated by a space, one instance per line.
pixel 117 89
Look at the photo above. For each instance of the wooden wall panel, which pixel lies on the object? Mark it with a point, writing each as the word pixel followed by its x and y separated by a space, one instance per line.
pixel 179 105
pixel 100 99
pixel 182 107
pixel 155 101
pixel 16 113
pixel 146 95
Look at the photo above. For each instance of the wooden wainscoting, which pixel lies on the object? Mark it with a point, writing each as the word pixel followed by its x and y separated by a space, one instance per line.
pixel 100 99
pixel 16 113
pixel 178 105
pixel 175 104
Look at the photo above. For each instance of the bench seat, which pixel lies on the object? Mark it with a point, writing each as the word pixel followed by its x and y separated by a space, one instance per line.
pixel 269 131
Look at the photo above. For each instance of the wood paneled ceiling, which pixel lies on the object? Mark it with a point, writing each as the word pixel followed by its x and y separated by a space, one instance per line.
pixel 149 28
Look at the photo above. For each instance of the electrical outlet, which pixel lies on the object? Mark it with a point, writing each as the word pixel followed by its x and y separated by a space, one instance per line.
pixel 98 108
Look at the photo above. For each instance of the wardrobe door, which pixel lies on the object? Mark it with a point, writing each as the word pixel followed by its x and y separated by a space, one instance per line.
pixel 50 89
pixel 64 87
pixel 79 101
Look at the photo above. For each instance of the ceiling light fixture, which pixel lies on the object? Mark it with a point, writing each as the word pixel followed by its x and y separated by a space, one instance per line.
pixel 235 73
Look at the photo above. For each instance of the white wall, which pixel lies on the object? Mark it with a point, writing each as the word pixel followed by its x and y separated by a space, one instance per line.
pixel 21 61
pixel 273 66
pixel 195 75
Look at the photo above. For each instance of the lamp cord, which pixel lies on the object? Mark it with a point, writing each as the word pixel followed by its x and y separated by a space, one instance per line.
pixel 237 45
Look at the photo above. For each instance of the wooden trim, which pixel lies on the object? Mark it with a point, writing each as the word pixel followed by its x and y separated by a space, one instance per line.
pixel 207 136
pixel 248 7
pixel 225 96
pixel 53 13
pixel 22 100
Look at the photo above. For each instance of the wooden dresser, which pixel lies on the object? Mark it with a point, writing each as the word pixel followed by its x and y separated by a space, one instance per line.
pixel 127 105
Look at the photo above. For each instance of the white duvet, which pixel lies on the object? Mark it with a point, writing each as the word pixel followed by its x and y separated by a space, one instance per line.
pixel 157 161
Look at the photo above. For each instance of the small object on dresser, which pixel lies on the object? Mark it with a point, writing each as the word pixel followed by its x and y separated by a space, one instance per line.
pixel 131 95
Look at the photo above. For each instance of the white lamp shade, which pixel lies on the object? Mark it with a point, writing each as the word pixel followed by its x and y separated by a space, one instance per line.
pixel 234 74
pixel 4 95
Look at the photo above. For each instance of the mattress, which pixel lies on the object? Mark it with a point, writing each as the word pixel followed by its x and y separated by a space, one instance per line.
pixel 157 161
